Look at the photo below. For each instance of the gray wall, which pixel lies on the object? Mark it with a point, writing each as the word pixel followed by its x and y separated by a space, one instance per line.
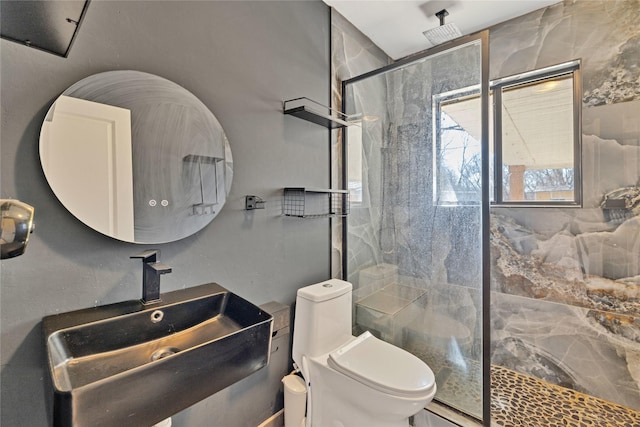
pixel 241 59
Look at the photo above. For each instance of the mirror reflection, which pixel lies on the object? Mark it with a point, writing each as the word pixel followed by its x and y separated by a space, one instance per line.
pixel 136 157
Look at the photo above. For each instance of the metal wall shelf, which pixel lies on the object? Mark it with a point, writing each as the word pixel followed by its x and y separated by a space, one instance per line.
pixel 310 110
pixel 315 203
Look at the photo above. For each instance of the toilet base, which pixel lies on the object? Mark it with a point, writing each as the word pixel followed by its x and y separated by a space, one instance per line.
pixel 335 400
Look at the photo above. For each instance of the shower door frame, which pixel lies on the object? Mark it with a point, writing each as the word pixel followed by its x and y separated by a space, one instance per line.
pixel 483 37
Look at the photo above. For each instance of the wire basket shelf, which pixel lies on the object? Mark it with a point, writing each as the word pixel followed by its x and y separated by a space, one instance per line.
pixel 311 203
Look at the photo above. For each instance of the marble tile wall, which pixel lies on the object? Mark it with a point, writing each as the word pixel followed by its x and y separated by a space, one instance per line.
pixel 435 249
pixel 566 282
pixel 352 54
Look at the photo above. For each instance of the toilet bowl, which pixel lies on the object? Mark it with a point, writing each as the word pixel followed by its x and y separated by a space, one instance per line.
pixel 353 381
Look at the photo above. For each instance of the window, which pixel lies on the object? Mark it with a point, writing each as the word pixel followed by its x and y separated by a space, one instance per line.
pixel 534 140
pixel 457 157
pixel 355 177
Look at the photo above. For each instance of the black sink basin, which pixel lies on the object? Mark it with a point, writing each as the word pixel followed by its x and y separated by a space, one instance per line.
pixel 134 364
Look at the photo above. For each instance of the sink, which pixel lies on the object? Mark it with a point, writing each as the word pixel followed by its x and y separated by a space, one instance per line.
pixel 134 364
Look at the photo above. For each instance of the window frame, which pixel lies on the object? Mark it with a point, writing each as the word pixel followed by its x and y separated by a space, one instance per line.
pixel 496 88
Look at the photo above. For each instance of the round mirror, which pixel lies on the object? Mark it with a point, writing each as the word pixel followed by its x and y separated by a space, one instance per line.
pixel 136 157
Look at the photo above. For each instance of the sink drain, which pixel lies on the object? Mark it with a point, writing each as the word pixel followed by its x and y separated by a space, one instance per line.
pixel 156 316
pixel 163 352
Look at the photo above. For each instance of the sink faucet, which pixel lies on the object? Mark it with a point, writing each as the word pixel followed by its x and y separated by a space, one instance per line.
pixel 151 271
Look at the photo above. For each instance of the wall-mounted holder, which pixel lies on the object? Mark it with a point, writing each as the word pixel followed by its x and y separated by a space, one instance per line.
pixel 314 203
pixel 312 111
pixel 621 204
pixel 253 202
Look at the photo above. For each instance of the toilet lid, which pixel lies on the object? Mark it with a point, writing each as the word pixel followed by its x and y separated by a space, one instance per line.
pixel 383 366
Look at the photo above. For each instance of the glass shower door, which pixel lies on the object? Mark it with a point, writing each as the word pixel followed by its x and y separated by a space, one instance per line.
pixel 417 173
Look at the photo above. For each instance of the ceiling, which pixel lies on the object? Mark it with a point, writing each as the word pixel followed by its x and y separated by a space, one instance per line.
pixel 396 26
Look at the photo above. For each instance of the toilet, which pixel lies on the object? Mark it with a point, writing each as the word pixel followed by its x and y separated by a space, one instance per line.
pixel 353 381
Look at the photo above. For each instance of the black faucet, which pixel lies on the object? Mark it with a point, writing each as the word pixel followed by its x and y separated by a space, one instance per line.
pixel 151 271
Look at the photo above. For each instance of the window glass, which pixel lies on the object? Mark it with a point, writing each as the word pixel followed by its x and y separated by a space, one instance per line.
pixel 355 176
pixel 457 158
pixel 537 131
pixel 534 141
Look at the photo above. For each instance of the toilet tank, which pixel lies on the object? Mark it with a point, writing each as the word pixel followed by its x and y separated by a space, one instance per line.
pixel 322 318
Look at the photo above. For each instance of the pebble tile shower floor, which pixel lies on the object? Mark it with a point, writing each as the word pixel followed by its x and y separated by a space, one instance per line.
pixel 520 400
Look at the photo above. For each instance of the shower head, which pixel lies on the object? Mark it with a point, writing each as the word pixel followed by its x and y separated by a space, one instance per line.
pixel 444 32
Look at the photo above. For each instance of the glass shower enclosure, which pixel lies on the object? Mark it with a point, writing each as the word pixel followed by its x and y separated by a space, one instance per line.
pixel 415 242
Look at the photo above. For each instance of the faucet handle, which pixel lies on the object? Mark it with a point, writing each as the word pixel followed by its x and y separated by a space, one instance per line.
pixel 160 268
pixel 148 256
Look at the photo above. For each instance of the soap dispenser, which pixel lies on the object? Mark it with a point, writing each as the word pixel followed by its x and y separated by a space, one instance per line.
pixel 15 227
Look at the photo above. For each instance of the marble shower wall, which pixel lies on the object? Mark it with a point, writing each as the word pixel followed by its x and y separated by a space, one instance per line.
pixel 440 244
pixel 416 266
pixel 352 54
pixel 566 282
pixel 397 209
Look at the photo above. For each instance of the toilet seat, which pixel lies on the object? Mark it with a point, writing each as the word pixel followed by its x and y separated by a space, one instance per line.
pixel 383 367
